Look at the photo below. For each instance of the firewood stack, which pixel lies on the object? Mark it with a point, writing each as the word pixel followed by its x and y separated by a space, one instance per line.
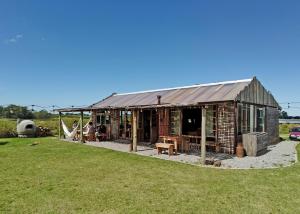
pixel 43 131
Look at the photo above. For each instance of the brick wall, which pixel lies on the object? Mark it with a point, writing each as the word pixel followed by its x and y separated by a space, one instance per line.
pixel 226 135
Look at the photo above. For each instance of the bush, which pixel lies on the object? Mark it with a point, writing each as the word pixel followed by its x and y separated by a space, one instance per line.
pixel 8 128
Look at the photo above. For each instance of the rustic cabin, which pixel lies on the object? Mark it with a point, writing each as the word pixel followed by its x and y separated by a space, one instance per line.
pixel 217 114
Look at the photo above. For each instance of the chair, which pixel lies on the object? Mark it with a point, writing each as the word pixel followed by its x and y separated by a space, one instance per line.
pixel 90 137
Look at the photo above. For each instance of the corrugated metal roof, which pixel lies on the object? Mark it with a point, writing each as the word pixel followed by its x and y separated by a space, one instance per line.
pixel 180 96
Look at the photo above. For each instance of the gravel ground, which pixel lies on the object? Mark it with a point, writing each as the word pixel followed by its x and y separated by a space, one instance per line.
pixel 279 155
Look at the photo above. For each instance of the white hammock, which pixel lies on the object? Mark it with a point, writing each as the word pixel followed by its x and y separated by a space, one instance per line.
pixel 71 135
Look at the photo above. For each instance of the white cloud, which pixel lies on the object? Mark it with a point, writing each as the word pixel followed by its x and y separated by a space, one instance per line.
pixel 19 36
pixel 14 39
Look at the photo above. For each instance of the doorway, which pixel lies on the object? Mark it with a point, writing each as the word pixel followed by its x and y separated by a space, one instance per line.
pixel 147 125
pixel 150 126
pixel 191 121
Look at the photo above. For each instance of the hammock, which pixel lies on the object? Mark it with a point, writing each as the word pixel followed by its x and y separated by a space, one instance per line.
pixel 71 135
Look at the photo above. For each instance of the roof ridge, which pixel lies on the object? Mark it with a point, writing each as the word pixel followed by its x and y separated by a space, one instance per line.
pixel 183 87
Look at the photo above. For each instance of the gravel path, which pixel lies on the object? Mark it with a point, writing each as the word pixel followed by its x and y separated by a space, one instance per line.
pixel 279 155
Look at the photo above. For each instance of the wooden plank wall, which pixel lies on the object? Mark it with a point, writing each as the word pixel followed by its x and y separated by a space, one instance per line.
pixel 272 124
pixel 163 115
pixel 115 124
pixel 255 93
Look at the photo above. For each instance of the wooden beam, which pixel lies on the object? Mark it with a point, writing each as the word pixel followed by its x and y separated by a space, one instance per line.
pixel 203 136
pixel 134 130
pixel 59 127
pixel 81 127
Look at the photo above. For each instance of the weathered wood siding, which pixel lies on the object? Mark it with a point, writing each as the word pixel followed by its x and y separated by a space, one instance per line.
pixel 255 143
pixel 115 124
pixel 163 115
pixel 255 93
pixel 272 124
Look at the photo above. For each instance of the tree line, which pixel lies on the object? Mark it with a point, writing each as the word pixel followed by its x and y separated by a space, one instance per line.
pixel 22 112
pixel 284 115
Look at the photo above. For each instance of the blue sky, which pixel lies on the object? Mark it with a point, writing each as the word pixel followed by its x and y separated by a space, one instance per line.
pixel 78 52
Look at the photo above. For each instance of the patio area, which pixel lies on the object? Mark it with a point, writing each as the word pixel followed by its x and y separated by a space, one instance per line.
pixel 282 154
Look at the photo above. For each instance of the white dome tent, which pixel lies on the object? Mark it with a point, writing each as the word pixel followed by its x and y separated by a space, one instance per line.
pixel 26 128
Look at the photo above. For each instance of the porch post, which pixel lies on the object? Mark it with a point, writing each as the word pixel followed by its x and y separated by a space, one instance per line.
pixel 203 136
pixel 81 127
pixel 125 124
pixel 59 127
pixel 134 130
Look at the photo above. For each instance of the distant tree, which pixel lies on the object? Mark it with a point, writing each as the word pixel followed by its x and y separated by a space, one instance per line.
pixel 1 111
pixel 283 115
pixel 14 112
pixel 43 114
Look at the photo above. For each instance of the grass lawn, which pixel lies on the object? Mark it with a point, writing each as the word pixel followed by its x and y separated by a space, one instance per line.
pixel 60 177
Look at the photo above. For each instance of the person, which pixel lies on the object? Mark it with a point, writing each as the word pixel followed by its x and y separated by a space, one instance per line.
pixel 75 123
pixel 101 132
pixel 74 126
pixel 90 132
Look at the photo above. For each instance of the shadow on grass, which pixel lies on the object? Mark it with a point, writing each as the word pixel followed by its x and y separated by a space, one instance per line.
pixel 3 143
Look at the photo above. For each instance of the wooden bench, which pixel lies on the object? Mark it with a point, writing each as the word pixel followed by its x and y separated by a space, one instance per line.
pixel 176 141
pixel 165 146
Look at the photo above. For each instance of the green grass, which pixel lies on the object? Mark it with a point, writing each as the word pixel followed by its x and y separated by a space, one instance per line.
pixel 61 177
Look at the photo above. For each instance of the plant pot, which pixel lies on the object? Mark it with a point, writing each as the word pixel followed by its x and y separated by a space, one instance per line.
pixel 240 151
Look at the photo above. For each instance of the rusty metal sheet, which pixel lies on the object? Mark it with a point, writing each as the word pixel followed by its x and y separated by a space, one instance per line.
pixel 187 95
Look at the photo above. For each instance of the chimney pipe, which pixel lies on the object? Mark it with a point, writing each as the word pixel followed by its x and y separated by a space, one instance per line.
pixel 158 99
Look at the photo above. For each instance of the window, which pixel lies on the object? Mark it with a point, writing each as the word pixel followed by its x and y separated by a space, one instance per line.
pixel 211 119
pixel 260 119
pixel 125 124
pixel 250 119
pixel 174 122
pixel 240 112
pixel 98 119
pixel 244 118
pixel 191 121
pixel 103 118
